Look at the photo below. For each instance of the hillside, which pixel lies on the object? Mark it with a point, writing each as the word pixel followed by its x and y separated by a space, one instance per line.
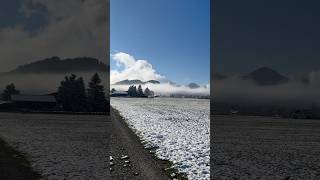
pixel 193 85
pixel 57 65
pixel 266 76
pixel 135 82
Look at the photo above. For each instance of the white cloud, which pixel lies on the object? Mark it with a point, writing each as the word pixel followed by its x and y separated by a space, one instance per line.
pixel 132 69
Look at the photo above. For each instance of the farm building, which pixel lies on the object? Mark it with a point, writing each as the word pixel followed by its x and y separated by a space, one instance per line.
pixel 119 94
pixel 29 102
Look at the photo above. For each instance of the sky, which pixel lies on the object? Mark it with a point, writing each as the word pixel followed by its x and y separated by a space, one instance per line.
pixel 32 30
pixel 168 39
pixel 283 35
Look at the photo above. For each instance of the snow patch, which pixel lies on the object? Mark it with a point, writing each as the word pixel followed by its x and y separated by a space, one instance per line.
pixel 179 128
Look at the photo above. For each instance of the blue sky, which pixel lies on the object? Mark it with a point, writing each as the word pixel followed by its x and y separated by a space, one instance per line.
pixel 172 35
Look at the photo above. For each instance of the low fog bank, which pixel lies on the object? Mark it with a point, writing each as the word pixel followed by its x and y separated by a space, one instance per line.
pixel 44 83
pixel 168 89
pixel 298 93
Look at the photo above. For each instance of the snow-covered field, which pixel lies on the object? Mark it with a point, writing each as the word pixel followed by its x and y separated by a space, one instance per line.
pixel 179 128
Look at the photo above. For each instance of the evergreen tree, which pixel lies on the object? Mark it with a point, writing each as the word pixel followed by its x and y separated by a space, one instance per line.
pixel 147 92
pixel 132 91
pixel 140 91
pixel 72 94
pixel 113 90
pixel 8 91
pixel 81 95
pixel 96 95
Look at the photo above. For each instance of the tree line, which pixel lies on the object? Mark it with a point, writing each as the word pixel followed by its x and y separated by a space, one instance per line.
pixel 72 94
pixel 133 91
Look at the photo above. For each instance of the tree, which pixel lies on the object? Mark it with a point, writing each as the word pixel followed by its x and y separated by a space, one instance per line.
pixel 147 92
pixel 8 91
pixel 132 91
pixel 113 90
pixel 72 94
pixel 96 95
pixel 140 91
pixel 81 95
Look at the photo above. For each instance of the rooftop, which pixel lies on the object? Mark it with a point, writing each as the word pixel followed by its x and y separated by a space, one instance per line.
pixel 34 98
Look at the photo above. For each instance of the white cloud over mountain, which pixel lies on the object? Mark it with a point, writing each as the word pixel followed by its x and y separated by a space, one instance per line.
pixel 131 68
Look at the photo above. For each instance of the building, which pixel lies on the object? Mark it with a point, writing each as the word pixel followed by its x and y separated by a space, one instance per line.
pixel 6 106
pixel 119 94
pixel 29 103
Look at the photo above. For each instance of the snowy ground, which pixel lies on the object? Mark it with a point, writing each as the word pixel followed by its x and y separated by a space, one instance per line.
pixel 60 146
pixel 179 128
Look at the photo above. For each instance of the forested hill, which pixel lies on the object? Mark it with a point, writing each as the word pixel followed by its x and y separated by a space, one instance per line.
pixel 57 65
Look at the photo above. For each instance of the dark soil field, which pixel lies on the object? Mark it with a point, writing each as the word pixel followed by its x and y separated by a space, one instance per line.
pixel 248 147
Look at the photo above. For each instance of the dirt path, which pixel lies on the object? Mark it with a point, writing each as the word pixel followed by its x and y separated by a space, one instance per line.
pixel 143 165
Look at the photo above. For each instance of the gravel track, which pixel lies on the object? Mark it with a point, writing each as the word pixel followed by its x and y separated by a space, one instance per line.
pixel 143 165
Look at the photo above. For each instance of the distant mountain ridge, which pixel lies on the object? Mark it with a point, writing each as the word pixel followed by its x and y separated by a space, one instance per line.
pixel 139 82
pixel 57 65
pixel 266 76
pixel 135 82
pixel 193 85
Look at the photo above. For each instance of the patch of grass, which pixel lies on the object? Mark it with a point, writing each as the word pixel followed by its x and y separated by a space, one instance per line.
pixel 14 164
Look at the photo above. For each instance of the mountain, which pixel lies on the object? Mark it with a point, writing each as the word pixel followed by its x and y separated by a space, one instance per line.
pixel 57 65
pixel 193 85
pixel 129 82
pixel 153 82
pixel 136 81
pixel 266 76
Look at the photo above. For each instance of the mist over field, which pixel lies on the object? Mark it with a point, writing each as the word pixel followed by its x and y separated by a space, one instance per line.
pixel 297 92
pixel 43 83
pixel 167 89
